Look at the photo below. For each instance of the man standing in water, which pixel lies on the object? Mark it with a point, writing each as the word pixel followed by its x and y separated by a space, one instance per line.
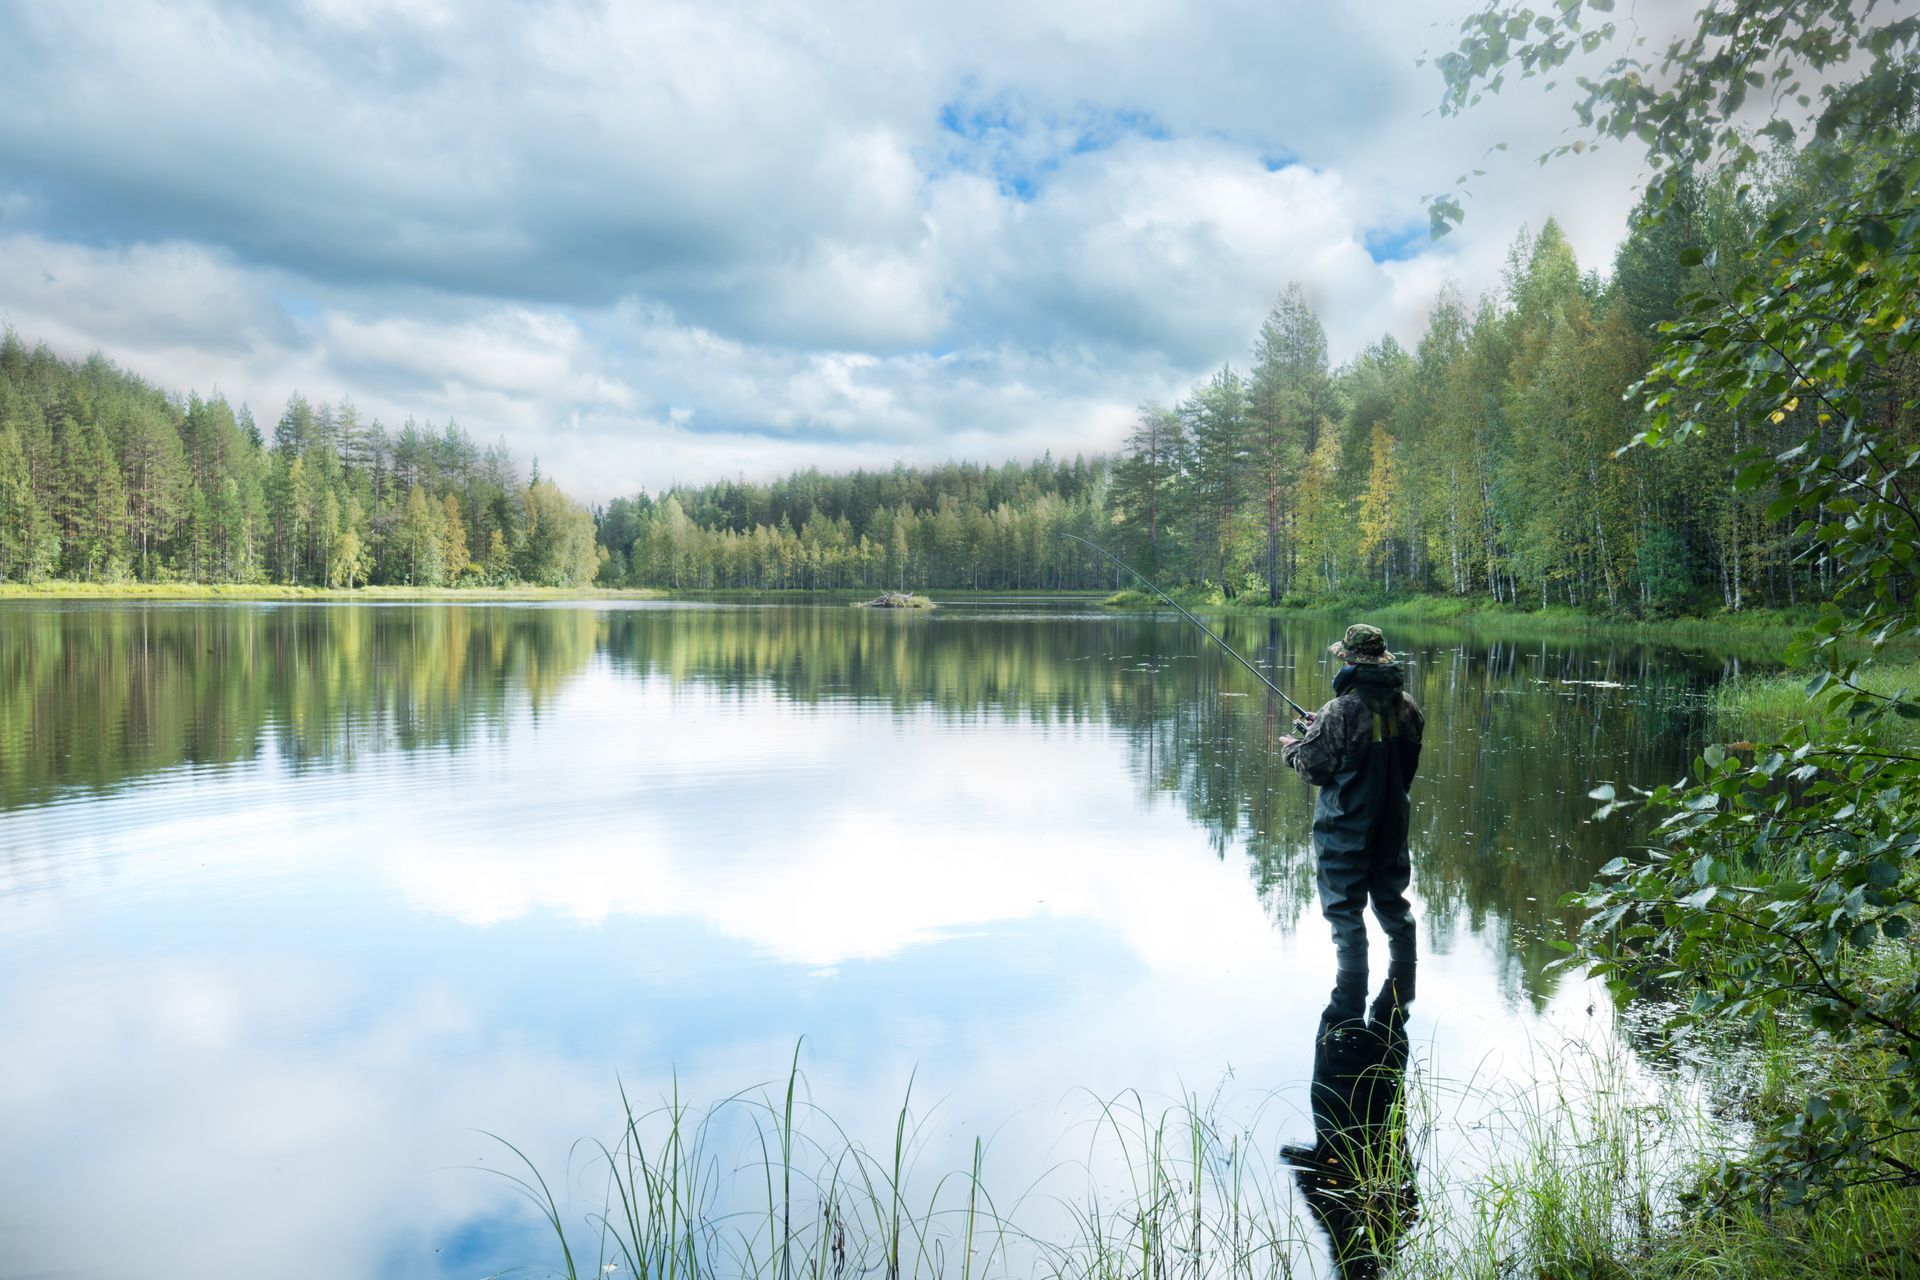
pixel 1362 750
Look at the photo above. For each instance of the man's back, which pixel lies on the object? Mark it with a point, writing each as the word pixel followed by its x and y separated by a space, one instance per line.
pixel 1362 750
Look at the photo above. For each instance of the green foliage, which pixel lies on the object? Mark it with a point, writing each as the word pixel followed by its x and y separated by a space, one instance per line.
pixel 1842 66
pixel 103 478
pixel 1779 874
pixel 1663 570
pixel 1146 487
pixel 28 548
pixel 1289 403
pixel 559 539
pixel 1783 882
pixel 951 526
pixel 1765 707
pixel 1484 463
pixel 1480 465
pixel 1583 1187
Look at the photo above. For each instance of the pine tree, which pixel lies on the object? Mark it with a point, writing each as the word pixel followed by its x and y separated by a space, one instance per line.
pixel 1216 418
pixel 91 506
pixel 1145 480
pixel 295 430
pixel 155 468
pixel 1286 400
pixel 27 542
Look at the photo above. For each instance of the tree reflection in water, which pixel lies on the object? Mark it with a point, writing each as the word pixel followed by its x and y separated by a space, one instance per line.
pixel 100 695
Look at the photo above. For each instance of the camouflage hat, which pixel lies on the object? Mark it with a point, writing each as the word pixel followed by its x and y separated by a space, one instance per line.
pixel 1363 646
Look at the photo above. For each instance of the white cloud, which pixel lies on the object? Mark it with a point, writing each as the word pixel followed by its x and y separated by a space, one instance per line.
pixel 676 240
pixel 179 296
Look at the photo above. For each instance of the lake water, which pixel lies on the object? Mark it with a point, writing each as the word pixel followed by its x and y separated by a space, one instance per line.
pixel 300 902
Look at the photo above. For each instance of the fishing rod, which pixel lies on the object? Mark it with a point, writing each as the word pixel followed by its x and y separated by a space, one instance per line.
pixel 1150 585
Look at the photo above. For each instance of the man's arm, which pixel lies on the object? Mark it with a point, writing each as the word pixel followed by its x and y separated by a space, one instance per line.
pixel 1316 754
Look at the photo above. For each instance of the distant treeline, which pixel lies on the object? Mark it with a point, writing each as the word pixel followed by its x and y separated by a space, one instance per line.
pixel 105 477
pixel 1489 460
pixel 954 525
pixel 1486 461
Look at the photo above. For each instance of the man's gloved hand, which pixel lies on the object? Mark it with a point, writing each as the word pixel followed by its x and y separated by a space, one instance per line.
pixel 1301 725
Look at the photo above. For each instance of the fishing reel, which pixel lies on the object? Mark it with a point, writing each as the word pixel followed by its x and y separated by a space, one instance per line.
pixel 1302 723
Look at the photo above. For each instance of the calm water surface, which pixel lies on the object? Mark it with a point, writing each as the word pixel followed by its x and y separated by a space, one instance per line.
pixel 295 899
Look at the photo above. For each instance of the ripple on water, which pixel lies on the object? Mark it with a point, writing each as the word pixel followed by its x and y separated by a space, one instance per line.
pixel 304 896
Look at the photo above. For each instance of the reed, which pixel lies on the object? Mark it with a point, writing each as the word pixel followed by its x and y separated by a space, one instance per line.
pixel 1583 1171
pixel 1761 708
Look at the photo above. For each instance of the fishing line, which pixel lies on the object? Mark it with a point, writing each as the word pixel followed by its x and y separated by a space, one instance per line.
pixel 1150 585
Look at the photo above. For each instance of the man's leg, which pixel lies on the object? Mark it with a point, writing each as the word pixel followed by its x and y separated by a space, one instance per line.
pixel 1388 876
pixel 1343 896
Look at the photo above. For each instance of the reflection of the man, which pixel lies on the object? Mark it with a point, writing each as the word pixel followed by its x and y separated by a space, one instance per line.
pixel 1357 1176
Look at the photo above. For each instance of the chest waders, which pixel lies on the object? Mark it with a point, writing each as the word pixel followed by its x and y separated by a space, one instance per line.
pixel 1360 837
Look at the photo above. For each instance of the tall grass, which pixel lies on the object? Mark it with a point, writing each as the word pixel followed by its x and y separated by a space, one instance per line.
pixel 1748 628
pixel 747 1188
pixel 1761 708
pixel 1578 1172
pixel 1582 1170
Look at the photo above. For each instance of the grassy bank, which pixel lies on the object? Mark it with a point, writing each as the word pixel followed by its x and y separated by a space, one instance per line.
pixel 1755 626
pixel 1590 1175
pixel 1761 708
pixel 275 591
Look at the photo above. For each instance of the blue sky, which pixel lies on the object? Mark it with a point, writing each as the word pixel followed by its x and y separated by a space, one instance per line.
pixel 662 241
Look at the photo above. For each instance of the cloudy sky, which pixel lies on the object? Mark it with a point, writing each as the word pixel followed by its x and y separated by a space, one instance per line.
pixel 667 241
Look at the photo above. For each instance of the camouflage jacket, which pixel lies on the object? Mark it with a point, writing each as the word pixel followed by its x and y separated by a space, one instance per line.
pixel 1362 751
pixel 1344 727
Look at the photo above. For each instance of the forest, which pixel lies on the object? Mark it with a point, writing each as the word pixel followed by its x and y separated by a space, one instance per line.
pixel 106 478
pixel 1490 460
pixel 1487 461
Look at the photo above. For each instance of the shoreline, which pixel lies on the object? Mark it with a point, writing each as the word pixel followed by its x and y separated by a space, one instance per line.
pixel 1746 625
pixel 189 591
pixel 1473 614
pixel 1763 624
